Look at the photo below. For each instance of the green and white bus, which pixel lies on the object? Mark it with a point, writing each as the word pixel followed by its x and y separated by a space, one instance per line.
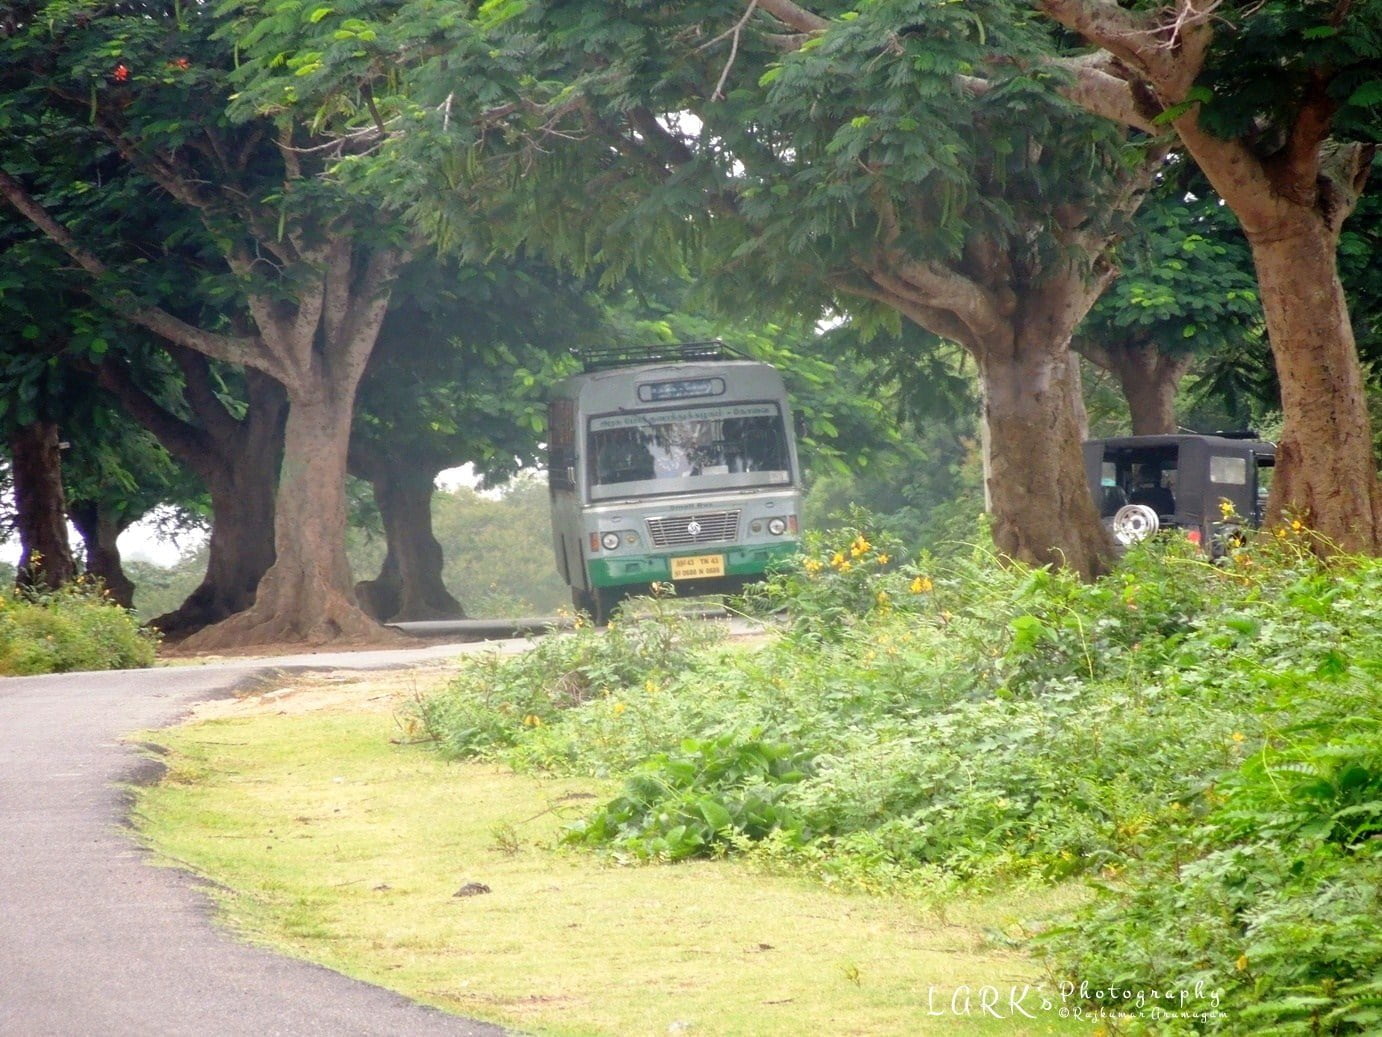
pixel 670 463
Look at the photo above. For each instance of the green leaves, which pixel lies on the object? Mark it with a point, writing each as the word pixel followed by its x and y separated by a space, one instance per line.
pixel 705 797
pixel 1367 95
pixel 1271 59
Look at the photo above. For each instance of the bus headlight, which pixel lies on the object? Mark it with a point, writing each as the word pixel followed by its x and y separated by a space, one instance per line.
pixel 610 541
pixel 777 526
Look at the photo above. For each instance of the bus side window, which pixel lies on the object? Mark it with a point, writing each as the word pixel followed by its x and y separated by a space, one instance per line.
pixel 561 444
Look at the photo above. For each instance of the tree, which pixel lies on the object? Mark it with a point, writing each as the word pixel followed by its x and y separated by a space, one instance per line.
pixel 45 561
pixel 116 474
pixel 848 166
pixel 1185 289
pixel 227 428
pixel 459 376
pixel 230 437
pixel 310 264
pixel 1264 96
pixel 30 395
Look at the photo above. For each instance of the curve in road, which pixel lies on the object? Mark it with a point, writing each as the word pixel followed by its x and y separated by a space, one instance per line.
pixel 93 940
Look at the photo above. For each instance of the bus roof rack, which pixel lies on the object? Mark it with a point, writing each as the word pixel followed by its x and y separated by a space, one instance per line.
pixel 600 358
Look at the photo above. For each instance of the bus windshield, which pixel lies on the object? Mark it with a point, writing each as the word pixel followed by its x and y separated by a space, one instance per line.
pixel 729 446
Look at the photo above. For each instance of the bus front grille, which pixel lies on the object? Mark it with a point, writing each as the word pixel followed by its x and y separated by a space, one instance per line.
pixel 715 527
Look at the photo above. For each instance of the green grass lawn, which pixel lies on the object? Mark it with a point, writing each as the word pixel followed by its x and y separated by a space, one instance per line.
pixel 329 841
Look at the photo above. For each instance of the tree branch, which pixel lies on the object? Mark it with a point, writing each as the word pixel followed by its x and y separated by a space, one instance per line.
pixel 232 349
pixel 734 35
pixel 938 289
pixel 370 301
pixel 1118 31
pixel 1100 92
pixel 793 16
pixel 189 444
pixel 1294 170
pixel 196 372
pixel 938 322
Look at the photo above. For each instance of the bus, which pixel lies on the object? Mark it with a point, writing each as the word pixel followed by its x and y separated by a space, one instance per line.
pixel 674 464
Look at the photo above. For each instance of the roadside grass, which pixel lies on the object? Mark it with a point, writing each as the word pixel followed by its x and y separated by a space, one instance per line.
pixel 322 838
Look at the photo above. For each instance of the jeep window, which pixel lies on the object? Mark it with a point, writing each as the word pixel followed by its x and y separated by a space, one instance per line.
pixel 1228 471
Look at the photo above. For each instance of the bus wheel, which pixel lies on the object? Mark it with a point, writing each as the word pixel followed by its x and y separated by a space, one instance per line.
pixel 582 601
pixel 605 599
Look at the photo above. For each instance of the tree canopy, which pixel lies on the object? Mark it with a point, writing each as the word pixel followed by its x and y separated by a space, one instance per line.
pixel 236 206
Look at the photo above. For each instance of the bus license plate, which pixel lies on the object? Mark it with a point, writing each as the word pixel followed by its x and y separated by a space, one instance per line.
pixel 698 567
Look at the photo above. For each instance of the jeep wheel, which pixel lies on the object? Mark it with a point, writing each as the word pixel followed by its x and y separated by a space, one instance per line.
pixel 1134 522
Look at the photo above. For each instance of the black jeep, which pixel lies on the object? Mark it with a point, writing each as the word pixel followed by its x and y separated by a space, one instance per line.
pixel 1145 483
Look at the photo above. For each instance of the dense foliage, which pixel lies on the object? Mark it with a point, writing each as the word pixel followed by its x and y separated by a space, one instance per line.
pixel 1202 742
pixel 76 628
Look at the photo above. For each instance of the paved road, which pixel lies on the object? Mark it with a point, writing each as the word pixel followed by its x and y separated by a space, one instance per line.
pixel 94 941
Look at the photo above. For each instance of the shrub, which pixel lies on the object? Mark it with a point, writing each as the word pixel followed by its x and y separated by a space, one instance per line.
pixel 496 703
pixel 1201 741
pixel 700 799
pixel 76 628
pixel 1271 897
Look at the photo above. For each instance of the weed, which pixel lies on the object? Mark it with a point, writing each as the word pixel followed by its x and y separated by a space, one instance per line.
pixel 75 628
pixel 1202 742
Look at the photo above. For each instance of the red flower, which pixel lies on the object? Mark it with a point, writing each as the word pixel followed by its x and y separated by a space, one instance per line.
pixel 181 63
pixel 121 73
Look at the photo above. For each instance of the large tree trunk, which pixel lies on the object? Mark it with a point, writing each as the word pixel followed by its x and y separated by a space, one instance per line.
pixel 318 351
pixel 1149 379
pixel 380 596
pixel 237 460
pixel 45 562
pixel 1291 203
pixel 1038 496
pixel 100 531
pixel 405 504
pixel 1326 473
pixel 240 549
pixel 306 596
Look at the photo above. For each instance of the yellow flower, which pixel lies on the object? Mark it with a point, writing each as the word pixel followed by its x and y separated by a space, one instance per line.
pixel 1242 963
pixel 532 720
pixel 921 585
pixel 884 559
pixel 813 566
pixel 1225 507
pixel 860 547
pixel 1297 525
pixel 1238 736
pixel 845 566
pixel 838 560
pixel 619 708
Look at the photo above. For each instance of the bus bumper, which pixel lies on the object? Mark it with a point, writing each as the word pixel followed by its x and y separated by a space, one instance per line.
pixel 743 562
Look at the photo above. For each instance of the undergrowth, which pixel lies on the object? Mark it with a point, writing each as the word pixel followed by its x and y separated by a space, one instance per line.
pixel 1200 742
pixel 75 628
